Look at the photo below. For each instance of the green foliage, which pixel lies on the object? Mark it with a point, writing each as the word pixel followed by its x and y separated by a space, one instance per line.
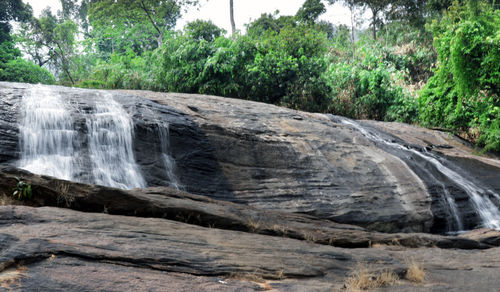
pixel 282 67
pixel 288 69
pixel 271 22
pixel 463 95
pixel 22 190
pixel 121 71
pixel 310 11
pixel 8 52
pixel 20 70
pixel 372 87
pixel 202 29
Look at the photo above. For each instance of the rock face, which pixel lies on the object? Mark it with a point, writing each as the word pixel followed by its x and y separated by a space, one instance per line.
pixel 279 159
pixel 255 198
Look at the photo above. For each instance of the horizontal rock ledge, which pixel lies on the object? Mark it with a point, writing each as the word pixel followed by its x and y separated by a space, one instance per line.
pixel 168 203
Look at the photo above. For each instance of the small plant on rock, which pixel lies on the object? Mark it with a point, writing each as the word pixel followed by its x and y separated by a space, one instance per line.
pixel 22 191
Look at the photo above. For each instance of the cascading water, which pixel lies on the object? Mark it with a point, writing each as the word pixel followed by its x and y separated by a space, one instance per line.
pixel 47 134
pixel 110 145
pixel 91 143
pixel 488 211
pixel 167 160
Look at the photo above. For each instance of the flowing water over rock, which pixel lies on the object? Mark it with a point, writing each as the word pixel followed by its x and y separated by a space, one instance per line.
pixel 110 145
pixel 47 134
pixel 53 139
pixel 251 153
pixel 488 211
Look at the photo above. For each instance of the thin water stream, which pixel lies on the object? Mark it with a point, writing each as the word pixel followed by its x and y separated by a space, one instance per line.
pixel 487 210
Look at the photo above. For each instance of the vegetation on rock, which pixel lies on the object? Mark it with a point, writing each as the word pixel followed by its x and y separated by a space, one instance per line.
pixel 450 48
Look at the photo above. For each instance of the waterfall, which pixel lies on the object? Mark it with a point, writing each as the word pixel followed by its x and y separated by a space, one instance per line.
pixel 90 143
pixel 110 131
pixel 487 210
pixel 167 160
pixel 47 134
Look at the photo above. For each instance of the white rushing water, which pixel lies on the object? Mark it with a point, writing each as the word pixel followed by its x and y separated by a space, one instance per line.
pixel 110 131
pixel 47 134
pixel 50 144
pixel 489 212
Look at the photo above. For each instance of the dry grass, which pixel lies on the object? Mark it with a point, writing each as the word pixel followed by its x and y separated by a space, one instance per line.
pixel 6 200
pixel 63 194
pixel 253 225
pixel 362 279
pixel 308 236
pixel 253 277
pixel 279 229
pixel 415 273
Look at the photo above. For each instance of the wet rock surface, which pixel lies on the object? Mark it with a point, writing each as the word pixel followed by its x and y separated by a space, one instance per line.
pixel 271 199
pixel 277 159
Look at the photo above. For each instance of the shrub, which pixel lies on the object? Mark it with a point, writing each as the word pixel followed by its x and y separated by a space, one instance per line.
pixel 415 273
pixel 372 87
pixel 362 279
pixel 464 93
pixel 22 191
pixel 20 70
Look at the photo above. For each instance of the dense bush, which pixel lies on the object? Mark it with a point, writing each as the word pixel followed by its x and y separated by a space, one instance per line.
pixel 372 87
pixel 121 71
pixel 282 67
pixel 463 95
pixel 20 70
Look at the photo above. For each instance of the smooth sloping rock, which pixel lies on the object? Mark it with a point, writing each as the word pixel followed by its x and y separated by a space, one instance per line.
pixel 61 249
pixel 277 159
pixel 34 234
pixel 169 203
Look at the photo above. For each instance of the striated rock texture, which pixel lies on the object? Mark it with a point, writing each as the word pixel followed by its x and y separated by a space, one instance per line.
pixel 270 199
pixel 278 159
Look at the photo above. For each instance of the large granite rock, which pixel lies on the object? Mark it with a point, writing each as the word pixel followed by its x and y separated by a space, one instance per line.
pixel 271 200
pixel 165 202
pixel 276 159
pixel 54 249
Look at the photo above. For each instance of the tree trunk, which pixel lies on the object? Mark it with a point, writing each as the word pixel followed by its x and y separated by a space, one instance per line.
pixel 374 24
pixel 231 16
pixel 352 32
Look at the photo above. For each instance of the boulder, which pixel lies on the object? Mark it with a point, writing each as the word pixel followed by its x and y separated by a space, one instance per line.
pixel 279 159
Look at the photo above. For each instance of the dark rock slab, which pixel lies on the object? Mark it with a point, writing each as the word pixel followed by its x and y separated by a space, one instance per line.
pixel 64 250
pixel 159 244
pixel 277 159
pixel 10 97
pixel 65 273
pixel 164 202
pixel 485 236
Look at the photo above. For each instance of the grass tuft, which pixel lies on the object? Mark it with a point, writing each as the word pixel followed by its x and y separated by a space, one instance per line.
pixel 362 279
pixel 415 273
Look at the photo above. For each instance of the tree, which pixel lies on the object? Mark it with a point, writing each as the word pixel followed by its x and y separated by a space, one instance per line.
pixel 146 21
pixel 268 21
pixel 14 10
pixel 203 30
pixel 231 16
pixel 52 40
pixel 310 11
pixel 375 7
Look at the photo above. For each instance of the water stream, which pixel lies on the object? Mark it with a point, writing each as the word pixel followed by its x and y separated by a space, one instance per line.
pixel 99 150
pixel 110 131
pixel 47 134
pixel 487 210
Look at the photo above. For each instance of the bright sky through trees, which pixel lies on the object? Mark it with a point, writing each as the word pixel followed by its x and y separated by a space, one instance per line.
pixel 244 10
